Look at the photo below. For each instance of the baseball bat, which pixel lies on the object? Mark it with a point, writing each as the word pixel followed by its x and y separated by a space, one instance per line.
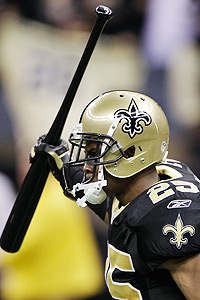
pixel 36 177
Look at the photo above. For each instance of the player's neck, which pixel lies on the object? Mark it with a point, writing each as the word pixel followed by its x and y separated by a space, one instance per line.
pixel 137 184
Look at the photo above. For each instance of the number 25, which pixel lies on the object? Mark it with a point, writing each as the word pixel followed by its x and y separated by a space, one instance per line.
pixel 163 190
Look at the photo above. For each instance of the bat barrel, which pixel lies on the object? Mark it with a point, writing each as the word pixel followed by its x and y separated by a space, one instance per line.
pixel 25 205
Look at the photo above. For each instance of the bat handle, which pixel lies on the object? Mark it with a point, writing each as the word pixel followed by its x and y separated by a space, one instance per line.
pixel 104 12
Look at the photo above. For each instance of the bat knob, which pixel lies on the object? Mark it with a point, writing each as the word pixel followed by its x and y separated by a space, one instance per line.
pixel 104 12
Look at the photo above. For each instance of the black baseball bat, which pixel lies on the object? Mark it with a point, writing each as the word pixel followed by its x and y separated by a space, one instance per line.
pixel 34 182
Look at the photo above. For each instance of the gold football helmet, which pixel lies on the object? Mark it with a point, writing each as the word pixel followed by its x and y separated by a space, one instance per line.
pixel 118 120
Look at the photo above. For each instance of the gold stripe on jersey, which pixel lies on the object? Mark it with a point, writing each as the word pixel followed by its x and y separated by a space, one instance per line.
pixel 168 171
pixel 116 209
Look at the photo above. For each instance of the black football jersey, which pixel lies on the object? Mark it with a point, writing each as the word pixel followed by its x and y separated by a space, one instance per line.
pixel 161 223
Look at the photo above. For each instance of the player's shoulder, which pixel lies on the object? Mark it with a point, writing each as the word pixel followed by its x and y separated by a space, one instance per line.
pixel 166 216
pixel 174 169
pixel 178 188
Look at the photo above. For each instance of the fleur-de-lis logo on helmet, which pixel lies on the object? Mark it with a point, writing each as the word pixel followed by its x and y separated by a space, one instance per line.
pixel 178 231
pixel 134 117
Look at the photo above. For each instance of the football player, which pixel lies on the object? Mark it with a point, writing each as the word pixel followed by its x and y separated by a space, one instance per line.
pixel 118 166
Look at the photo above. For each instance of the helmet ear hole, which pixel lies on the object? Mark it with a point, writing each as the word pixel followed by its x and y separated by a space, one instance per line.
pixel 130 152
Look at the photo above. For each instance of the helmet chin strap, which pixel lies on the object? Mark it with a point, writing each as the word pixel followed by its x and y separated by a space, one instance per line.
pixel 93 191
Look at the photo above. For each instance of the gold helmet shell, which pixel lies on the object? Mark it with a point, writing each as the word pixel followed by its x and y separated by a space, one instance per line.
pixel 142 124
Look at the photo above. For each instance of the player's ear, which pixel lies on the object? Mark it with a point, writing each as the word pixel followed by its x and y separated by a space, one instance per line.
pixel 130 152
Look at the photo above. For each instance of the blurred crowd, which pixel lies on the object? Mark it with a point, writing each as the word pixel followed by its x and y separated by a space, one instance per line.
pixel 149 46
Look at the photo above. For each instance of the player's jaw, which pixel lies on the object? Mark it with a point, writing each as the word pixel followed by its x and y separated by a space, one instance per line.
pixel 89 175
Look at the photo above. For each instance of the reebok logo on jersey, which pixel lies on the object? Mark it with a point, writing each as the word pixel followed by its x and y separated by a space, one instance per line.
pixel 179 204
pixel 178 231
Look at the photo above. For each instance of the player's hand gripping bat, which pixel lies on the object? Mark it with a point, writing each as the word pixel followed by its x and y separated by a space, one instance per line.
pixel 33 184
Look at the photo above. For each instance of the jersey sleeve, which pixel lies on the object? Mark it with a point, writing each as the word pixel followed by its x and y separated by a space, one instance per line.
pixel 167 233
pixel 167 220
